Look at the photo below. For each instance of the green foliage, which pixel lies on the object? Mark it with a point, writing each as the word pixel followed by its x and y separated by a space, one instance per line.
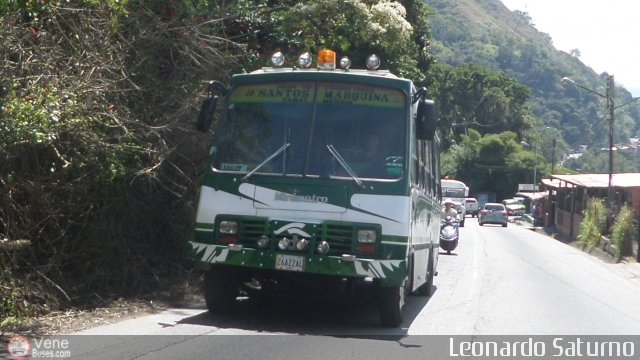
pixel 594 222
pixel 8 294
pixel 493 163
pixel 98 163
pixel 597 161
pixel 473 97
pixel 624 231
pixel 589 233
pixel 13 305
pixel 354 28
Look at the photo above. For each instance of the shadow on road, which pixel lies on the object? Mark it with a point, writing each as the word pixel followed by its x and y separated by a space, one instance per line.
pixel 302 316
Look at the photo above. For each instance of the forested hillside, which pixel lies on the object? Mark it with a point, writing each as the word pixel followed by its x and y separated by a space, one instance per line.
pixel 486 33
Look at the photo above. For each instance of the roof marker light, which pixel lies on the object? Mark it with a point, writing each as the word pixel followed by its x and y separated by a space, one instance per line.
pixel 373 62
pixel 327 59
pixel 277 59
pixel 305 60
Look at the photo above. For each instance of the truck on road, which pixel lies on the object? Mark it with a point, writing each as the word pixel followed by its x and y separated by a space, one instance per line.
pixel 472 206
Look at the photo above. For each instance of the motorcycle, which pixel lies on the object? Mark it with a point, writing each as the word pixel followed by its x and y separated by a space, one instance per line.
pixel 449 234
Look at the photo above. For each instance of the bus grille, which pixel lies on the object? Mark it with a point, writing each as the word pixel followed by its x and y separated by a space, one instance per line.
pixel 339 237
pixel 250 230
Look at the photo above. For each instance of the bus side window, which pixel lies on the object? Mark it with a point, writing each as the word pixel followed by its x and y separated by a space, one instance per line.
pixel 435 155
pixel 415 163
pixel 420 166
pixel 423 166
pixel 428 166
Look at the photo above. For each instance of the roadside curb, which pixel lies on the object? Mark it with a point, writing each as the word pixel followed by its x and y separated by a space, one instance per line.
pixel 628 265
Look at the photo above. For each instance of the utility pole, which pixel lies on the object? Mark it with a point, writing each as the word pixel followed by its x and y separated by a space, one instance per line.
pixel 553 157
pixel 611 108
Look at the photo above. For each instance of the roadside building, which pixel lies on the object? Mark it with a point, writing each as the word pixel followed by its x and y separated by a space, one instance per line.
pixel 568 196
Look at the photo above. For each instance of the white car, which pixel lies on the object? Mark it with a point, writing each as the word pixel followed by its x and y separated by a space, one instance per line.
pixel 514 207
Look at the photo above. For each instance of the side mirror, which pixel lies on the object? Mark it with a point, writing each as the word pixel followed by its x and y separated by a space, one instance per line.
pixel 426 120
pixel 208 108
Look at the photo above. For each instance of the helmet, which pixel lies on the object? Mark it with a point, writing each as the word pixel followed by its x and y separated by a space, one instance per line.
pixel 448 201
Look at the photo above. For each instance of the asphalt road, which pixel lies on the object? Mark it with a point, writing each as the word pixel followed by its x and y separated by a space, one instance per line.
pixel 499 281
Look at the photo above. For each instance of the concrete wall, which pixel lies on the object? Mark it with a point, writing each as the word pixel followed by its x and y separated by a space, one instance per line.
pixel 564 224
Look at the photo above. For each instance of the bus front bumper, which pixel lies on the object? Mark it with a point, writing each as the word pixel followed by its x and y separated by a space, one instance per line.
pixel 387 272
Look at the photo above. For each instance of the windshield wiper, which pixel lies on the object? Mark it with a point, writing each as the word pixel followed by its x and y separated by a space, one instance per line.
pixel 344 164
pixel 271 157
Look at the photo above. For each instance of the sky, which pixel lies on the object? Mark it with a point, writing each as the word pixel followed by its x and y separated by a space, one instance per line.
pixel 602 30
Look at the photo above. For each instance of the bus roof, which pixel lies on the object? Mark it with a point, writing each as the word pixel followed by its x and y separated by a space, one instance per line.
pixel 453 183
pixel 372 77
pixel 381 73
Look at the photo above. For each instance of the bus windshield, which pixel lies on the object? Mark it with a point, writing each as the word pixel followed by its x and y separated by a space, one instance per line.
pixel 453 192
pixel 308 128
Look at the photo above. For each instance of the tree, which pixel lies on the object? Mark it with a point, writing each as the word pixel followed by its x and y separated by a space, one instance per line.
pixel 473 97
pixel 354 28
pixel 494 163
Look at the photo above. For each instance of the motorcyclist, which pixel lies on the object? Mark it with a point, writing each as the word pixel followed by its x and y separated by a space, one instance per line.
pixel 449 227
pixel 449 210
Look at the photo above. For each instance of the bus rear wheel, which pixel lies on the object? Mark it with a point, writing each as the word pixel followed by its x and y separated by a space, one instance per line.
pixel 221 288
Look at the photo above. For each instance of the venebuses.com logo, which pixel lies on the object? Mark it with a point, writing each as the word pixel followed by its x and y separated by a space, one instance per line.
pixel 21 347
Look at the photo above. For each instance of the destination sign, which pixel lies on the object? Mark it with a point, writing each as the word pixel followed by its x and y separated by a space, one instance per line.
pixel 360 95
pixel 327 93
pixel 278 93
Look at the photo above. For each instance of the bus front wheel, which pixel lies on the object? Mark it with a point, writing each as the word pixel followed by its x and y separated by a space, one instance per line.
pixel 221 289
pixel 427 288
pixel 392 301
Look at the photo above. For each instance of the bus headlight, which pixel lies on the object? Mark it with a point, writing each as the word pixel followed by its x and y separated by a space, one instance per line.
pixel 283 243
pixel 301 245
pixel 262 242
pixel 323 248
pixel 228 227
pixel 366 236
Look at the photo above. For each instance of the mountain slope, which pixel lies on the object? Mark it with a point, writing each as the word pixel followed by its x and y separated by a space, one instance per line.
pixel 487 33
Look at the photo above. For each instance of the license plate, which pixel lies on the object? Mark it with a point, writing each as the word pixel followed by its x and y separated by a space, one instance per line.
pixel 289 262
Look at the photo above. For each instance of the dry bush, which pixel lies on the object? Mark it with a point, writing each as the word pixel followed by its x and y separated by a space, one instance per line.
pixel 99 160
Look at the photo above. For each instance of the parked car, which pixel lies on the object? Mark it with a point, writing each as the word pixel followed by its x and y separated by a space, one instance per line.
pixel 472 207
pixel 515 207
pixel 493 213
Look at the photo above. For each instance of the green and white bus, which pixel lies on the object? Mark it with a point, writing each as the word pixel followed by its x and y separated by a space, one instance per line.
pixel 320 179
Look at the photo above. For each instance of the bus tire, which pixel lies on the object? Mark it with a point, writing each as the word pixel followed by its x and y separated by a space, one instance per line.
pixel 427 288
pixel 392 301
pixel 220 289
